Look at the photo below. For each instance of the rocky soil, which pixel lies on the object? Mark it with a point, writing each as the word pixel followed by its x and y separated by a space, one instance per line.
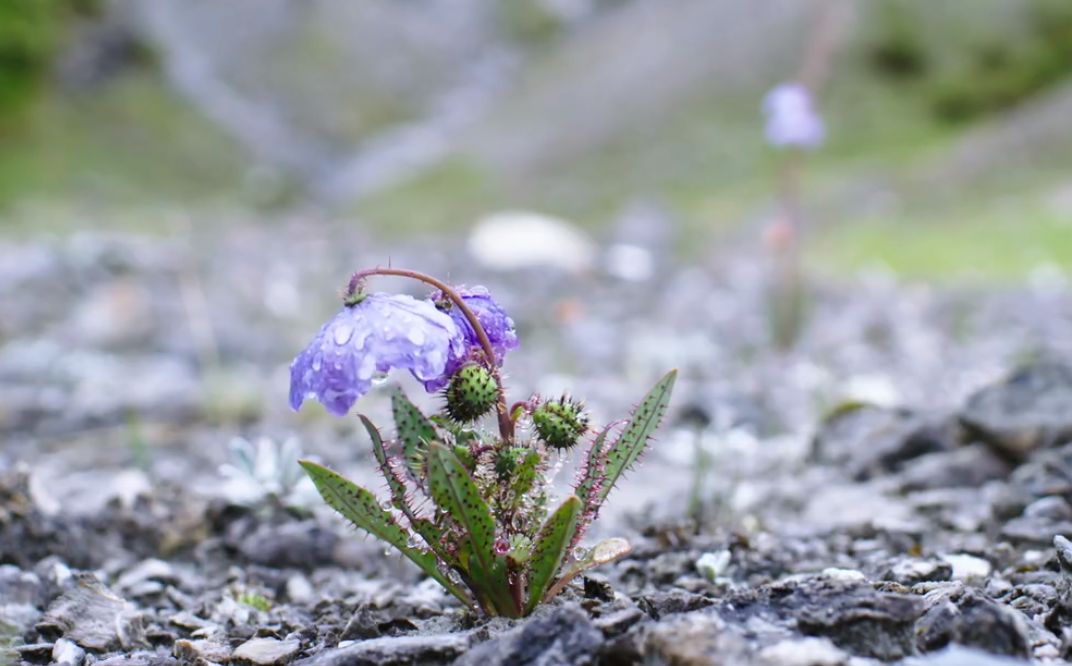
pixel 896 488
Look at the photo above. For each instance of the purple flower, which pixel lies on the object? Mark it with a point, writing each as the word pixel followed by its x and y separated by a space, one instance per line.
pixel 378 334
pixel 493 319
pixel 791 118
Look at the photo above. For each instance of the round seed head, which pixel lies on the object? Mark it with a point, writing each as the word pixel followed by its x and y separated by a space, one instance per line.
pixel 472 393
pixel 561 423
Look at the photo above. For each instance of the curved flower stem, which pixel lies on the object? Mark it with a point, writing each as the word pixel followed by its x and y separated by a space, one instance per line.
pixel 506 423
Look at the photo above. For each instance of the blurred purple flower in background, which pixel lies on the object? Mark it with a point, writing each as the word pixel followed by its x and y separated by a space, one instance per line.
pixel 791 118
pixel 380 333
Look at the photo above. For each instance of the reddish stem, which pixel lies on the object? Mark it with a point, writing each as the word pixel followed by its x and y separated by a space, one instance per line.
pixel 506 424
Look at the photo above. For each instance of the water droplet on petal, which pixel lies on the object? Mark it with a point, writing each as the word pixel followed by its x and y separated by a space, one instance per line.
pixel 342 333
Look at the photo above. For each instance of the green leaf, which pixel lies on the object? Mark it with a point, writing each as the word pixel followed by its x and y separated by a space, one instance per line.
pixel 396 486
pixel 605 551
pixel 551 548
pixel 415 430
pixel 361 507
pixel 524 476
pixel 428 531
pixel 593 469
pixel 634 439
pixel 454 491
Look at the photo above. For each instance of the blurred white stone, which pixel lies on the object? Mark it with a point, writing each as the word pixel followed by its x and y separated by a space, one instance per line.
pixel 873 389
pixel 629 262
pixel 516 240
pixel 804 652
pixel 968 567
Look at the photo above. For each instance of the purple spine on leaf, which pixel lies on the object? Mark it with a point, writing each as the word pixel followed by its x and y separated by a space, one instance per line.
pixel 382 332
pixel 492 317
pixel 792 121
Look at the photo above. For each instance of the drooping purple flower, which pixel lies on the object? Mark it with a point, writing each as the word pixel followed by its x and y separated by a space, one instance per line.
pixel 792 121
pixel 492 317
pixel 380 333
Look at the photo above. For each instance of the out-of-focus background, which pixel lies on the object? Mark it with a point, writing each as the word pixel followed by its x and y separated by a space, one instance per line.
pixel 186 184
pixel 948 135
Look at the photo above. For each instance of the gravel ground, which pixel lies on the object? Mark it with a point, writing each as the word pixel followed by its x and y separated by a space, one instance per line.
pixel 895 488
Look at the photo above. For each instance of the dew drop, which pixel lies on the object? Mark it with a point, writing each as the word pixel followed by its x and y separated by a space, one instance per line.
pixel 342 333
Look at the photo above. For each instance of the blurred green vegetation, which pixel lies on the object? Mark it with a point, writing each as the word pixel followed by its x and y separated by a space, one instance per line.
pixel 915 82
pixel 969 65
pixel 131 142
pixel 989 244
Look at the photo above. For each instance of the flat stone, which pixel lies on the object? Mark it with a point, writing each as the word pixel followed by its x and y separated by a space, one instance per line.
pixel 909 571
pixel 1031 409
pixel 68 653
pixel 867 624
pixel 803 652
pixel 869 441
pixel 557 636
pixel 395 651
pixel 266 651
pixel 92 616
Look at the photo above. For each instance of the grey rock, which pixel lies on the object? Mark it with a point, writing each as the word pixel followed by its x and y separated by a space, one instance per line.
pixel 151 570
pixel 35 651
pixel 694 638
pixel 1031 409
pixel 557 636
pixel 206 649
pixel 266 651
pixel 975 621
pixel 1051 508
pixel 140 658
pixel 21 596
pixel 867 624
pixel 1034 530
pixel 1047 473
pixel 964 467
pixel 92 616
pixel 428 649
pixel 67 652
pixel 909 571
pixel 1064 553
pixel 296 544
pixel 869 441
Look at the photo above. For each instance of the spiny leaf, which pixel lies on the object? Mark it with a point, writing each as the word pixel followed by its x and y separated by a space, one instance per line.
pixel 593 468
pixel 642 424
pixel 431 534
pixel 551 548
pixel 415 430
pixel 454 491
pixel 360 507
pixel 604 552
pixel 398 489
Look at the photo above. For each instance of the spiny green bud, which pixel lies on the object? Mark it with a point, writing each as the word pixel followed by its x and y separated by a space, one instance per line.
pixel 472 393
pixel 507 460
pixel 560 423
